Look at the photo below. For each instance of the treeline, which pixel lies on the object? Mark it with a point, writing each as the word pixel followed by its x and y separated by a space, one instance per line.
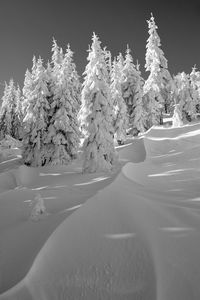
pixel 54 111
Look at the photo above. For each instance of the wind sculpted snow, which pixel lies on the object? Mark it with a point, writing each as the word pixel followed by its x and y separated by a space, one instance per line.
pixel 137 236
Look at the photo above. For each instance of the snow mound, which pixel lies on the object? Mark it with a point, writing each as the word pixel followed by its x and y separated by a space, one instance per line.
pixel 96 253
pixel 138 238
pixel 133 151
pixel 171 141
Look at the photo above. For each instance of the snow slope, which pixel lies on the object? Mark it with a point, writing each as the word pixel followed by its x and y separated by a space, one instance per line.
pixel 134 234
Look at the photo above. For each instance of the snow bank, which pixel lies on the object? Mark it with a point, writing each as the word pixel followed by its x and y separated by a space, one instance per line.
pixel 96 253
pixel 137 238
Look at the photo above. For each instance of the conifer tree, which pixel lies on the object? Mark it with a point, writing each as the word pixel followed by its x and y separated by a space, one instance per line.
pixel 35 151
pixel 195 88
pixel 108 60
pixel 139 115
pixel 74 84
pixel 8 116
pixel 18 118
pixel 129 80
pixel 159 82
pixel 96 116
pixel 183 96
pixel 132 91
pixel 63 130
pixel 57 56
pixel 119 105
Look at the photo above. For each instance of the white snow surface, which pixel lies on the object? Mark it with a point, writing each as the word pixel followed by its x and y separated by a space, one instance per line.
pixel 131 234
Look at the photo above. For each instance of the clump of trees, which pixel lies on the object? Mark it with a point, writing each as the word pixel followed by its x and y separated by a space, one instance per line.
pixel 54 111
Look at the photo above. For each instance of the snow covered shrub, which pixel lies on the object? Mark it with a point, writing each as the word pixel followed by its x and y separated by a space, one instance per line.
pixel 177 116
pixel 39 209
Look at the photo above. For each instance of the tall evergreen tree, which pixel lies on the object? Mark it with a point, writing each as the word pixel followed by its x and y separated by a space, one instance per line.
pixel 19 114
pixel 63 130
pixel 195 88
pixel 57 56
pixel 129 80
pixel 73 78
pixel 159 82
pixel 108 60
pixel 132 92
pixel 139 115
pixel 187 104
pixel 8 112
pixel 35 151
pixel 119 105
pixel 96 115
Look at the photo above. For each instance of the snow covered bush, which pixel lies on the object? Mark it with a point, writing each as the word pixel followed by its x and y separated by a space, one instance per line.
pixel 39 209
pixel 96 114
pixel 177 117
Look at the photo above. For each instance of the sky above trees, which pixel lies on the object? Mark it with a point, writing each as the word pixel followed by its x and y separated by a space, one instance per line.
pixel 27 28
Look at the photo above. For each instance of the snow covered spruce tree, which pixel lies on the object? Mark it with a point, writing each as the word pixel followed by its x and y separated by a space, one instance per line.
pixel 119 105
pixel 63 130
pixel 9 114
pixel 139 115
pixel 19 114
pixel 195 88
pixel 96 116
pixel 35 151
pixel 159 83
pixel 187 104
pixel 132 92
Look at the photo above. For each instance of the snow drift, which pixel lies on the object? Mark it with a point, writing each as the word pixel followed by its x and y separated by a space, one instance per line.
pixel 137 234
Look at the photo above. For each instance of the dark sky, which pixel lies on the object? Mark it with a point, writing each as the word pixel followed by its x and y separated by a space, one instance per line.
pixel 27 28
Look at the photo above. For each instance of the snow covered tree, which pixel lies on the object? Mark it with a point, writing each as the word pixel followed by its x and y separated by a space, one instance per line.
pixel 73 78
pixel 159 83
pixel 119 105
pixel 19 114
pixel 195 88
pixel 63 130
pixel 108 60
pixel 129 79
pixel 9 118
pixel 183 96
pixel 177 116
pixel 153 108
pixel 57 56
pixel 96 116
pixel 35 151
pixel 139 115
pixel 132 92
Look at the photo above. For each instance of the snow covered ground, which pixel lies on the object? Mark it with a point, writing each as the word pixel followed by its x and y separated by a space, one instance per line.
pixel 131 234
